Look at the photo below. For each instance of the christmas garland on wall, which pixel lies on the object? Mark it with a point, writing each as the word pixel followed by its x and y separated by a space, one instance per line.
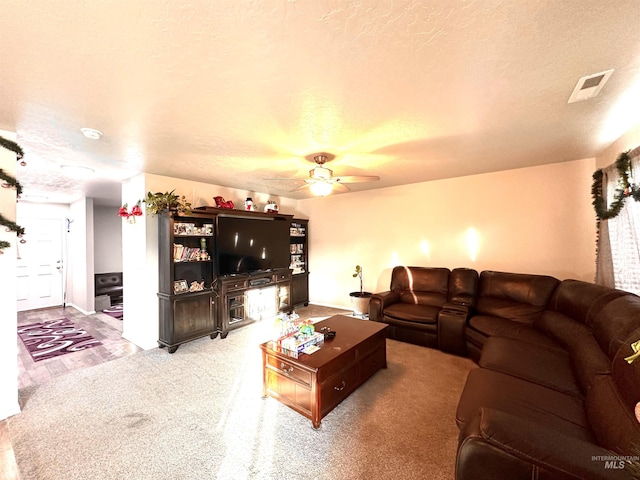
pixel 11 182
pixel 14 147
pixel 624 189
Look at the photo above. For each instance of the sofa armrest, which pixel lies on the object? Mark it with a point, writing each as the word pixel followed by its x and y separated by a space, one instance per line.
pixel 463 308
pixel 380 301
pixel 496 444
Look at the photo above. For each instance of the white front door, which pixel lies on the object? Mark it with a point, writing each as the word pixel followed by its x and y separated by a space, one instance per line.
pixel 40 264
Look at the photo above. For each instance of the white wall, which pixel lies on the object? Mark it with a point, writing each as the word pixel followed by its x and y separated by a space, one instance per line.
pixel 8 305
pixel 57 211
pixel 80 286
pixel 532 220
pixel 107 239
pixel 140 271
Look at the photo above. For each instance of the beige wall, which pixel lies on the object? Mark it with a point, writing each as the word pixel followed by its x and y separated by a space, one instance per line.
pixel 532 220
pixel 628 141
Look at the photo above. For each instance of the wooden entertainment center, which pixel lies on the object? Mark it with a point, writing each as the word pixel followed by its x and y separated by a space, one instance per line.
pixel 197 300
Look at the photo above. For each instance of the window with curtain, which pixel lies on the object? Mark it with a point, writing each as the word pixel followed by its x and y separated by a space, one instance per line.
pixel 618 258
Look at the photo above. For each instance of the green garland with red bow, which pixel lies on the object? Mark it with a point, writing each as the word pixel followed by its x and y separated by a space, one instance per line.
pixel 11 182
pixel 624 189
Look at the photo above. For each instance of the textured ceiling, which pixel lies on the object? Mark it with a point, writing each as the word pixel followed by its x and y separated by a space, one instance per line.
pixel 233 92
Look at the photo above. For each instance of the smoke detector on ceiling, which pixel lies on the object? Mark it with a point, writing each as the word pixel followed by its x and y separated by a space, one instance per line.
pixel 91 133
pixel 589 86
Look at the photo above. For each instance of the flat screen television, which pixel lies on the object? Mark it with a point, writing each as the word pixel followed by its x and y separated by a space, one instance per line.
pixel 247 245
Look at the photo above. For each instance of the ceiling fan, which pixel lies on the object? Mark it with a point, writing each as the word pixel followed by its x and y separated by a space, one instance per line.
pixel 321 180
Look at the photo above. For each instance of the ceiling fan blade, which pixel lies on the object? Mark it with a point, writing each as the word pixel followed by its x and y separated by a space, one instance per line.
pixel 341 186
pixel 279 179
pixel 301 187
pixel 356 178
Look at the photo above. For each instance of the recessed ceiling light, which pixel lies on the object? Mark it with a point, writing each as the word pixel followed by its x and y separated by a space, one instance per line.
pixel 91 133
pixel 77 170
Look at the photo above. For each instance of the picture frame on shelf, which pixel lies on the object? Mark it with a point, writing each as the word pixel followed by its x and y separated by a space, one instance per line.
pixel 180 286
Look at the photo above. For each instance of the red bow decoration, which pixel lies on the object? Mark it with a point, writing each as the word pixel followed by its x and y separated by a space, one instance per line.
pixel 136 211
pixel 123 212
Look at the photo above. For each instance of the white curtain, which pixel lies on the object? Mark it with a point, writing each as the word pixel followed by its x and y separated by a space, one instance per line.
pixel 618 260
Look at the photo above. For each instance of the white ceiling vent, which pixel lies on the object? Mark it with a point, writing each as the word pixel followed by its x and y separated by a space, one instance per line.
pixel 589 86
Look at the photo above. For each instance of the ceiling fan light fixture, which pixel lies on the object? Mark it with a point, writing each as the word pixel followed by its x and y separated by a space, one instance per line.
pixel 321 189
pixel 321 173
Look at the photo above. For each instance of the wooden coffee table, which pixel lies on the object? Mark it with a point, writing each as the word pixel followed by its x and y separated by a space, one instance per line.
pixel 314 384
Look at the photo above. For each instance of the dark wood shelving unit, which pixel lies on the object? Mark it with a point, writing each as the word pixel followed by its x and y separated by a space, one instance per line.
pixel 298 246
pixel 186 315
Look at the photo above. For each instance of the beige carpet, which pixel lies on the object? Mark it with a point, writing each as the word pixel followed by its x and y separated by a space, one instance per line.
pixel 199 414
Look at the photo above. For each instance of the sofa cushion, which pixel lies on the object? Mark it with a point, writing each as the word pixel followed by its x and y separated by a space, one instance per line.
pixel 586 356
pixel 544 365
pixel 611 402
pixel 489 389
pixel 626 376
pixel 614 425
pixel 421 285
pixel 615 322
pixel 108 284
pixel 463 286
pixel 480 327
pixel 423 298
pixel 496 445
pixel 409 312
pixel 515 296
pixel 580 300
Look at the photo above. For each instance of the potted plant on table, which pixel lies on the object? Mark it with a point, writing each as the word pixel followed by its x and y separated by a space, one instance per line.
pixel 360 300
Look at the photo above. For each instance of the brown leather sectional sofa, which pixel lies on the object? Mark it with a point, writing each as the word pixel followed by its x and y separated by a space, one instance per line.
pixel 552 397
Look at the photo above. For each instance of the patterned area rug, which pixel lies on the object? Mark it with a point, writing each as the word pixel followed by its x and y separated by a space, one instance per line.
pixel 53 338
pixel 116 311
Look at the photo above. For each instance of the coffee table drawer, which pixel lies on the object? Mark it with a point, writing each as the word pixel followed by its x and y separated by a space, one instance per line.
pixel 337 388
pixel 339 364
pixel 285 368
pixel 289 392
pixel 371 344
pixel 372 363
